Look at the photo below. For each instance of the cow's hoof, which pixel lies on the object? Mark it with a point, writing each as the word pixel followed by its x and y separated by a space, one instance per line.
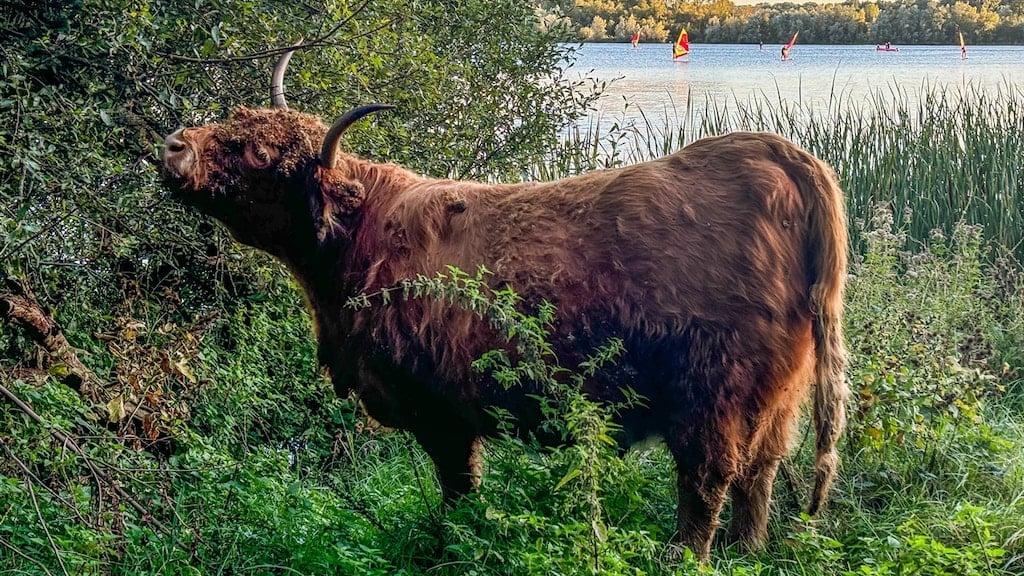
pixel 676 554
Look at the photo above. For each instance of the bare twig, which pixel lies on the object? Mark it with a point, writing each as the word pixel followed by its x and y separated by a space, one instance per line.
pixel 790 477
pixel 235 59
pixel 46 529
pixel 322 40
pixel 419 481
pixel 17 552
pixel 345 21
pixel 362 510
pixel 31 476
pixel 48 226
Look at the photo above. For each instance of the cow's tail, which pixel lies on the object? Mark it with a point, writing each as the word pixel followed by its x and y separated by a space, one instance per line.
pixel 827 255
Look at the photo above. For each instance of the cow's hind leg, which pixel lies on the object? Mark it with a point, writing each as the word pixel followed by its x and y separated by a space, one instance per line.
pixel 705 430
pixel 751 499
pixel 772 427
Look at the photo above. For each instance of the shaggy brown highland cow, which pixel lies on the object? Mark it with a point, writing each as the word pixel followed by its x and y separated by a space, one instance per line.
pixel 721 267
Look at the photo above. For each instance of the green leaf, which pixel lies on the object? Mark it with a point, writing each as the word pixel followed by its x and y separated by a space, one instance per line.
pixel 567 478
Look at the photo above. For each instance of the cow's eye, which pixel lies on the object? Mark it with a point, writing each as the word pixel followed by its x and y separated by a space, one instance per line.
pixel 258 156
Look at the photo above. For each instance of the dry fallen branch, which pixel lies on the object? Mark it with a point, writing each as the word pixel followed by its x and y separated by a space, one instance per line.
pixel 19 308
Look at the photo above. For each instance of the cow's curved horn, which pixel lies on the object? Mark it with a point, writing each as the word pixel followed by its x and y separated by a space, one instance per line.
pixel 277 79
pixel 329 151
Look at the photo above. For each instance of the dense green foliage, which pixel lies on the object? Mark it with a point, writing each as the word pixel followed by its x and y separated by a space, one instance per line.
pixel 272 473
pixel 90 87
pixel 847 22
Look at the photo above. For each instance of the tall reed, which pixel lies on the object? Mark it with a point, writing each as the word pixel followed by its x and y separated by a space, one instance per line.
pixel 935 155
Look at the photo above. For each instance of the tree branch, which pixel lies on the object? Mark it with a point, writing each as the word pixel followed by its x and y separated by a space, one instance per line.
pixel 19 307
pixel 319 41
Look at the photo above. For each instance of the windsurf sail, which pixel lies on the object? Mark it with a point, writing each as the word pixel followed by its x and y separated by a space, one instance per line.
pixel 789 46
pixel 963 47
pixel 635 39
pixel 682 46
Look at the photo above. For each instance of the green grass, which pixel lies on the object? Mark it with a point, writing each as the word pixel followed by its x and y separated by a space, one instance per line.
pixel 277 476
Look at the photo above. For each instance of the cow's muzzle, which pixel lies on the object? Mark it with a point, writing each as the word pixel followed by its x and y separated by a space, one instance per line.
pixel 179 159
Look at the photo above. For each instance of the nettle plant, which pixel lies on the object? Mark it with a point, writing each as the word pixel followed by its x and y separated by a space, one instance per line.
pixel 920 328
pixel 585 426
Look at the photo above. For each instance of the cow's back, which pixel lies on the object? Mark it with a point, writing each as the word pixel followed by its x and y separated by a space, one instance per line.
pixel 708 240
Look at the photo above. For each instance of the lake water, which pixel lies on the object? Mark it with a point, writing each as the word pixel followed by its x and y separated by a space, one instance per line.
pixel 815 77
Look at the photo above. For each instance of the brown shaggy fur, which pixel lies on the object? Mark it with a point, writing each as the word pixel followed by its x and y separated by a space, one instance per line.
pixel 721 267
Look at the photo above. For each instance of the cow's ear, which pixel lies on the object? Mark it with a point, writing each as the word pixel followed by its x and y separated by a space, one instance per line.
pixel 344 195
pixel 337 200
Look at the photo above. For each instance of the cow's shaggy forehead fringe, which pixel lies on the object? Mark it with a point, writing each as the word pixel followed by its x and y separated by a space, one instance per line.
pixel 294 135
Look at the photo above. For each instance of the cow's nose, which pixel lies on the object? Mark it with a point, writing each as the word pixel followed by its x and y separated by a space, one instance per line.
pixel 173 143
pixel 176 153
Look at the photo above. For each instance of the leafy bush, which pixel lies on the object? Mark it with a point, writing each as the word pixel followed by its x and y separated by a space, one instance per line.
pixel 934 310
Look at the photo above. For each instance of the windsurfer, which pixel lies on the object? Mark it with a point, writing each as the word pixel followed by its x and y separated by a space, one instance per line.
pixel 682 45
pixel 789 45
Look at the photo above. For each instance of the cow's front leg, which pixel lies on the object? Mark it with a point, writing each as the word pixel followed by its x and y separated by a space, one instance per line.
pixel 456 455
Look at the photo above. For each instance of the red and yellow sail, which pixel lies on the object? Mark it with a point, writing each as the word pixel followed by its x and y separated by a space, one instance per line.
pixel 963 46
pixel 792 40
pixel 635 39
pixel 789 46
pixel 682 46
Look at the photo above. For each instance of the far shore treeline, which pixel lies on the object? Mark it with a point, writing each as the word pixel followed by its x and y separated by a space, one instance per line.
pixel 849 22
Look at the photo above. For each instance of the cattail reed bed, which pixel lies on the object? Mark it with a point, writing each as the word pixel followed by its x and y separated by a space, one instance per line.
pixel 935 156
